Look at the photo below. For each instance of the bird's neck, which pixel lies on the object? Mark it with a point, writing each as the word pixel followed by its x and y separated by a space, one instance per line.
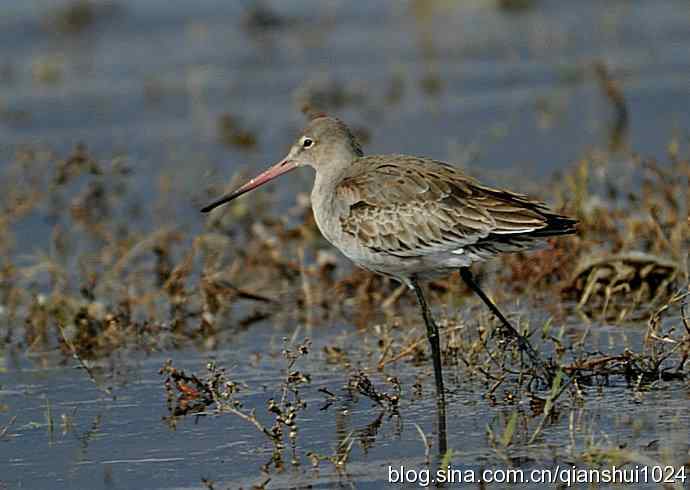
pixel 324 200
pixel 329 174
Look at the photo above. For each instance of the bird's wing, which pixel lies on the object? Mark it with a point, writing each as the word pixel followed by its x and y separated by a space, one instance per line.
pixel 414 207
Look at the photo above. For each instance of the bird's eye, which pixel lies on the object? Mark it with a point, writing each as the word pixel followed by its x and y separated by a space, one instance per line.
pixel 307 143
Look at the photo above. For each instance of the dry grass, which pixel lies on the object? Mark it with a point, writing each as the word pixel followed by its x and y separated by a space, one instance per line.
pixel 111 279
pixel 108 278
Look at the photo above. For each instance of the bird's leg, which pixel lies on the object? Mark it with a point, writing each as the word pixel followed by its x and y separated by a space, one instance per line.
pixel 433 336
pixel 523 343
pixel 434 340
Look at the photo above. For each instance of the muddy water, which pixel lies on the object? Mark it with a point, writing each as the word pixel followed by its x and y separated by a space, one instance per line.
pixel 502 93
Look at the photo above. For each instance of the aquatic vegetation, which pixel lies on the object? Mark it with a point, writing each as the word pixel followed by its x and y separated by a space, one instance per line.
pixel 219 391
pixel 111 279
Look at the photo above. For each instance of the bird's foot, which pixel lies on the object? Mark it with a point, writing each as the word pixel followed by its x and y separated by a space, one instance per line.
pixel 541 368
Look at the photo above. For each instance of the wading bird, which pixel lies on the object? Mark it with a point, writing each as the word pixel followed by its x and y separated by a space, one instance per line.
pixel 410 218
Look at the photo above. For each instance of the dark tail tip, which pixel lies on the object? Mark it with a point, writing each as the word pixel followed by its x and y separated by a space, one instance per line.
pixel 558 225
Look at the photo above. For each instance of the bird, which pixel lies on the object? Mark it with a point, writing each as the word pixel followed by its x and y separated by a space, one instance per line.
pixel 410 218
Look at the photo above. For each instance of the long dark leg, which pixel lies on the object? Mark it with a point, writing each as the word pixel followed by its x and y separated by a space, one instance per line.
pixel 522 341
pixel 433 336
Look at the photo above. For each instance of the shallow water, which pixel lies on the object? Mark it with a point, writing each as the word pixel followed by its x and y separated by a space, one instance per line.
pixel 114 443
pixel 509 96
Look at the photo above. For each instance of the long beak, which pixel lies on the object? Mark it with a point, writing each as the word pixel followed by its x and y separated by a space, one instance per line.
pixel 276 170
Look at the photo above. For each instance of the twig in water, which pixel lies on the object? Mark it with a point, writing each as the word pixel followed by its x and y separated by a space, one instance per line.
pixel 4 430
pixel 427 446
pixel 81 362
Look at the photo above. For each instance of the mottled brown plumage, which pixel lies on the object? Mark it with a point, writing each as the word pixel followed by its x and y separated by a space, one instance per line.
pixel 411 207
pixel 410 217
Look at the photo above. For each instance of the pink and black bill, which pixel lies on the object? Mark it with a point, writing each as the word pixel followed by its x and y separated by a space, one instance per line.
pixel 276 170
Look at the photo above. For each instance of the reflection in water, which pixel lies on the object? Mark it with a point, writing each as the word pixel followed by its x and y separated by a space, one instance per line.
pixel 441 426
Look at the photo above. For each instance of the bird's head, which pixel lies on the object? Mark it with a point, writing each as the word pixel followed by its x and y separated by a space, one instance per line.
pixel 325 144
